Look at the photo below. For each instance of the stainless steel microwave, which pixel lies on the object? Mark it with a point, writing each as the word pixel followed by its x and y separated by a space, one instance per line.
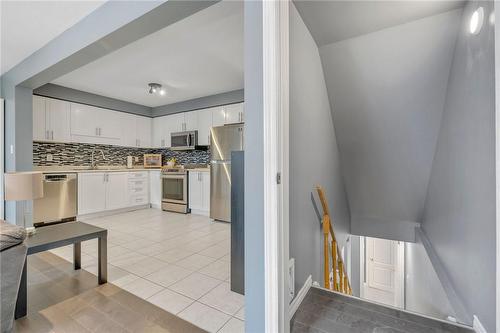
pixel 184 140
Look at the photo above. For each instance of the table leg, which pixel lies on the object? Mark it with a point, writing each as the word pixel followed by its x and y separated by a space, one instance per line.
pixel 22 294
pixel 102 274
pixel 77 255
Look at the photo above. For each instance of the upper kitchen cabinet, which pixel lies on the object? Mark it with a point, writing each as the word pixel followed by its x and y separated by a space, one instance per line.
pixel 95 125
pixel 218 116
pixel 204 125
pixel 51 119
pixel 234 113
pixel 191 121
pixel 159 132
pixel 143 131
pixel 39 115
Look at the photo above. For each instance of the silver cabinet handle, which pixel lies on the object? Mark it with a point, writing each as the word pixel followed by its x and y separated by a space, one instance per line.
pixel 138 142
pixel 47 135
pixel 52 135
pixel 162 142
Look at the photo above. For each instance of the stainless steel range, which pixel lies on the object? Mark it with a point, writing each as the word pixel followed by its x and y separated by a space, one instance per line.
pixel 174 190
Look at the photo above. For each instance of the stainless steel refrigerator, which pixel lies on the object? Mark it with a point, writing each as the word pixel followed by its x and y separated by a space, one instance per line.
pixel 224 140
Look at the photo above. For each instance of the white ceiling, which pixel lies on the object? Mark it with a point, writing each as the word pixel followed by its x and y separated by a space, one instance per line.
pixel 333 21
pixel 26 26
pixel 199 56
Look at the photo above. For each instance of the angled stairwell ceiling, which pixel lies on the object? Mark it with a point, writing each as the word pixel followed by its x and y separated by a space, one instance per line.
pixel 387 77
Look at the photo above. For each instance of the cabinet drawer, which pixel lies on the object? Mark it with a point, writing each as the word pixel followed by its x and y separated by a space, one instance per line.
pixel 136 200
pixel 138 182
pixel 138 174
pixel 138 190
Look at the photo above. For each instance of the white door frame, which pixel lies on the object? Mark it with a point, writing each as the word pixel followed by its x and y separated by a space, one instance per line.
pixel 275 121
pixel 2 162
pixel 496 5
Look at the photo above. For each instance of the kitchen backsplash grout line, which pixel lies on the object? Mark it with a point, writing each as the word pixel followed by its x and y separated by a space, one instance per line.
pixel 79 154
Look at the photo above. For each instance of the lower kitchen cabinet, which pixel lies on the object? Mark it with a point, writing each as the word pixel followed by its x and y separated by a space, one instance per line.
pixel 155 188
pixel 103 191
pixel 117 195
pixel 91 193
pixel 199 192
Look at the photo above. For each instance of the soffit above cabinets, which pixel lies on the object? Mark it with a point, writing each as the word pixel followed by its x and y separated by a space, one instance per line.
pixel 334 21
pixel 26 26
pixel 199 56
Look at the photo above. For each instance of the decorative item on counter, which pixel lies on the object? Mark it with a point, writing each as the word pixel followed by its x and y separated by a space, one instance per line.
pixel 130 162
pixel 152 160
pixel 171 162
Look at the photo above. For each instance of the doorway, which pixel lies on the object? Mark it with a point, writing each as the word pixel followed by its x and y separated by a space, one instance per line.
pixel 382 265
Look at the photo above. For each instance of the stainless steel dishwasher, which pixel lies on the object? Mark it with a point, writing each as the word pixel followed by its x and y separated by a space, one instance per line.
pixel 59 201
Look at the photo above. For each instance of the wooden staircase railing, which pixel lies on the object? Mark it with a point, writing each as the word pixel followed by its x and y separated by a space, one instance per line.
pixel 340 281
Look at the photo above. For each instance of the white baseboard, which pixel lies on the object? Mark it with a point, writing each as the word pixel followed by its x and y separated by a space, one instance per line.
pixel 477 326
pixel 200 212
pixel 111 212
pixel 300 296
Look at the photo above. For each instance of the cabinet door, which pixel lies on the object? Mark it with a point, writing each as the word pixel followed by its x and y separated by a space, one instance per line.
pixel 155 188
pixel 204 125
pixel 143 131
pixel 58 120
pixel 91 193
pixel 159 130
pixel 128 129
pixel 195 191
pixel 205 180
pixel 117 195
pixel 109 124
pixel 233 113
pixel 191 120
pixel 218 116
pixel 84 120
pixel 173 123
pixel 39 126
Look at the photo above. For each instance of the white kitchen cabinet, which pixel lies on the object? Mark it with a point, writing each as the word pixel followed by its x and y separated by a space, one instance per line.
pixel 58 120
pixel 155 188
pixel 51 119
pixel 173 123
pixel 103 191
pixel 102 125
pixel 143 131
pixel 191 121
pixel 199 192
pixel 204 125
pixel 91 192
pixel 128 135
pixel 218 116
pixel 39 127
pixel 159 132
pixel 117 195
pixel 234 113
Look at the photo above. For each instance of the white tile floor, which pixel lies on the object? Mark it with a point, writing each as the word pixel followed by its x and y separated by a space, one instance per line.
pixel 180 263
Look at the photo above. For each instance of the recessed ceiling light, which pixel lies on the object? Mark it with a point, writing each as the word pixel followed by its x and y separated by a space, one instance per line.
pixel 476 21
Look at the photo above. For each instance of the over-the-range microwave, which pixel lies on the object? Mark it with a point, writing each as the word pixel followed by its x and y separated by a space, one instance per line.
pixel 187 140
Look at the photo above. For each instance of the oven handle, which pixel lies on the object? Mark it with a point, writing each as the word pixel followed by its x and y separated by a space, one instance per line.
pixel 173 176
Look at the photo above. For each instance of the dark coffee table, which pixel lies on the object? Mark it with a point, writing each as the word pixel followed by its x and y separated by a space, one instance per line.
pixel 54 236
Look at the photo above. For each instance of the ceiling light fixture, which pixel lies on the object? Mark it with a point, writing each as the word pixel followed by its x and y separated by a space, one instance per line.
pixel 476 21
pixel 156 88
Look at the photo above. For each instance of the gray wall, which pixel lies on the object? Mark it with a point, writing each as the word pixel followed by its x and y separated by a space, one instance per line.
pixel 254 170
pixel 387 92
pixel 423 290
pixel 78 96
pixel 459 217
pixel 230 97
pixel 314 158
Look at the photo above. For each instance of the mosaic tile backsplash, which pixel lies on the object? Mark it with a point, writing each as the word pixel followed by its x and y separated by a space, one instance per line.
pixel 79 154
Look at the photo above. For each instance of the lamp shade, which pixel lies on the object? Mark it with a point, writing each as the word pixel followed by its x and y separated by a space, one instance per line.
pixel 23 186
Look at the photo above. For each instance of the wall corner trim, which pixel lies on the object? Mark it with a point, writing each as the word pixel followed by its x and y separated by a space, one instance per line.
pixel 294 305
pixel 477 326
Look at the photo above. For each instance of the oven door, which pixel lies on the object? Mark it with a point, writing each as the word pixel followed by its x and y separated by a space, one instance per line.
pixel 174 188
